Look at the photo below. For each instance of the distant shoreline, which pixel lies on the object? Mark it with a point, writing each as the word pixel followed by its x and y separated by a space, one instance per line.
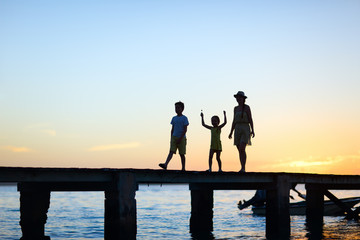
pixel 7 184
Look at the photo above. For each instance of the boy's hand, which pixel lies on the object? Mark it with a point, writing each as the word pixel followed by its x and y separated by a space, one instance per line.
pixel 201 114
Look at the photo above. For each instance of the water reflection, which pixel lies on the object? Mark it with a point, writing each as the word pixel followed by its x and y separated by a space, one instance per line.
pixel 202 236
pixel 314 226
pixel 340 228
pixel 334 228
pixel 314 232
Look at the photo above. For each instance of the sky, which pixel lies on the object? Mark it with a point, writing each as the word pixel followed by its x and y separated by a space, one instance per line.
pixel 92 84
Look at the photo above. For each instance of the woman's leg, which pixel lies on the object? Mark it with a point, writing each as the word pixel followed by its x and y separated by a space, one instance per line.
pixel 242 155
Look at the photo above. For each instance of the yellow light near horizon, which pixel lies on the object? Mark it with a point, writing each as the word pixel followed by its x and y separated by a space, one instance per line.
pixel 16 149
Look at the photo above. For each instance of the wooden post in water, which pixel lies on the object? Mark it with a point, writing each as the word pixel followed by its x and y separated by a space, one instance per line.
pixel 202 202
pixel 314 210
pixel 34 205
pixel 120 208
pixel 277 209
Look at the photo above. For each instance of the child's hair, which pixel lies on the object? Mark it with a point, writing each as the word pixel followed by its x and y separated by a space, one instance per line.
pixel 181 104
pixel 215 117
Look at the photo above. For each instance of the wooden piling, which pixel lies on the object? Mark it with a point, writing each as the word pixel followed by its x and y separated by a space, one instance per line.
pixel 34 205
pixel 120 208
pixel 314 210
pixel 202 202
pixel 277 209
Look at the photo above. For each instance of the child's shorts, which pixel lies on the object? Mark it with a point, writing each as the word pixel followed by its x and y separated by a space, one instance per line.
pixel 181 146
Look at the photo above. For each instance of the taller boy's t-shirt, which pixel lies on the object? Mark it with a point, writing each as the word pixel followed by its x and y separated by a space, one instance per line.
pixel 179 123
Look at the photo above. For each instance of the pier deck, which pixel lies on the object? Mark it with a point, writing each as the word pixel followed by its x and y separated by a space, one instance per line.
pixel 120 186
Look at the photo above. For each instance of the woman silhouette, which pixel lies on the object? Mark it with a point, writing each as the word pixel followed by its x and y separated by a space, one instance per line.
pixel 243 126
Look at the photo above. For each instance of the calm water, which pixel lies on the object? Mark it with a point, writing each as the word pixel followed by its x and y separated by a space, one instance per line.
pixel 163 213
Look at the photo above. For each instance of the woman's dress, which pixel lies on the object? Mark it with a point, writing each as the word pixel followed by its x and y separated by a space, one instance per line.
pixel 242 129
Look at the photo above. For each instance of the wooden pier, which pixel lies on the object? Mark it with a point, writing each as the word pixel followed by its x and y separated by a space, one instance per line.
pixel 120 186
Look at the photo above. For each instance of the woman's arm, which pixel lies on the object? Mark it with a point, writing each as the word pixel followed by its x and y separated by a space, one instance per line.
pixel 232 125
pixel 250 121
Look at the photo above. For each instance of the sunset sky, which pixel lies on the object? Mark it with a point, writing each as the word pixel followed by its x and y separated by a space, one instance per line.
pixel 93 83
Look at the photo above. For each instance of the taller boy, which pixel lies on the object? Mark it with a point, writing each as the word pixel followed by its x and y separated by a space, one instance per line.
pixel 178 138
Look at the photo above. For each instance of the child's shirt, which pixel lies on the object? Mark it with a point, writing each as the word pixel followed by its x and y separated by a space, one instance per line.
pixel 179 123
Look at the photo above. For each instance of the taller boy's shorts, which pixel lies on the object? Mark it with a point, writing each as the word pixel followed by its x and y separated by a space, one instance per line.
pixel 181 146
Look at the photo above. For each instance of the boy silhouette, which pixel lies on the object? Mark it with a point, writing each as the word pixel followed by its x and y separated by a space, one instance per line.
pixel 178 138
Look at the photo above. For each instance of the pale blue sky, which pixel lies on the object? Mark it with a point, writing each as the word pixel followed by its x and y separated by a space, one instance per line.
pixel 80 74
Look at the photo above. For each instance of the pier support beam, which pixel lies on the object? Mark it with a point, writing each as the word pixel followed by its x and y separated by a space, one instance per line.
pixel 350 214
pixel 202 202
pixel 120 208
pixel 277 209
pixel 314 210
pixel 34 205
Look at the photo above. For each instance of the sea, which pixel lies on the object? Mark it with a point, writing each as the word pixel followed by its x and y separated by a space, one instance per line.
pixel 163 212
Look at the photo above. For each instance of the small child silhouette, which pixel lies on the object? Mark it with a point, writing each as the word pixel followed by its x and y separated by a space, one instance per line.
pixel 215 146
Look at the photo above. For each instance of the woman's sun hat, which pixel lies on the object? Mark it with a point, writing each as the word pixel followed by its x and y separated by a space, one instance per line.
pixel 240 94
